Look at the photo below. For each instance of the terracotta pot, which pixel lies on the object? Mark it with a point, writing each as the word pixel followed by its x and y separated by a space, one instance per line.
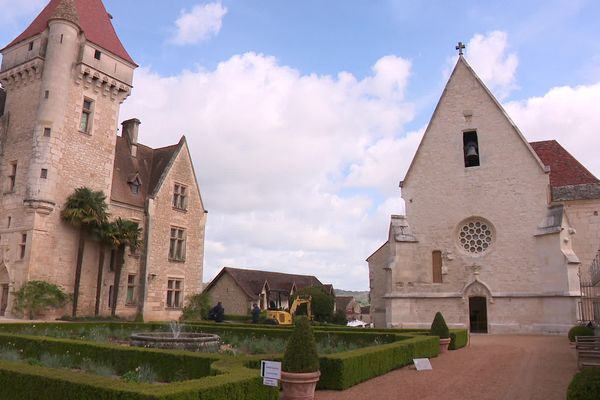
pixel 299 385
pixel 444 343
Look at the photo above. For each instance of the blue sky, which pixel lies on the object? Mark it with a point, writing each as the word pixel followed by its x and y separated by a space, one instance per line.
pixel 303 116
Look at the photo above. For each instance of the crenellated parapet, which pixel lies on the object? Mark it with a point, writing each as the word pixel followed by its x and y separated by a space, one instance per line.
pixel 22 74
pixel 100 82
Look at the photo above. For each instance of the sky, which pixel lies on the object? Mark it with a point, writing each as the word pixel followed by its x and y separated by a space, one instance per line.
pixel 303 116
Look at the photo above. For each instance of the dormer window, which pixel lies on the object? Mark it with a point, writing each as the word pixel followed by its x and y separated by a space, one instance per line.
pixel 470 149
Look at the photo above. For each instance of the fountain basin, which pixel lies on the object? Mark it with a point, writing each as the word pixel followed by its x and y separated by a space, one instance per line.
pixel 190 341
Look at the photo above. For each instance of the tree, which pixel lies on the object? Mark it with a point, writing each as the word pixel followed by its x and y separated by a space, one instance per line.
pixel 106 235
pixel 84 210
pixel 197 307
pixel 322 303
pixel 35 297
pixel 127 234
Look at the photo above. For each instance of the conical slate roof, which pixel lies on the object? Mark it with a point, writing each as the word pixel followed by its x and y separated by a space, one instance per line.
pixel 90 15
pixel 66 10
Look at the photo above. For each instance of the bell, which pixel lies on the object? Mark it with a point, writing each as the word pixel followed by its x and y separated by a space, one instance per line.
pixel 471 153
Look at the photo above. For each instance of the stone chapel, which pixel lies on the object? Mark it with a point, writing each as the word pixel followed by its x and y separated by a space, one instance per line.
pixel 496 229
pixel 62 83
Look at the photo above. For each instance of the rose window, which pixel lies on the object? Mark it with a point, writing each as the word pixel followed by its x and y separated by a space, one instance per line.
pixel 475 236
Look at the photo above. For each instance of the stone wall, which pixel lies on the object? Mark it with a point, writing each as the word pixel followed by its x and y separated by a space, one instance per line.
pixel 234 300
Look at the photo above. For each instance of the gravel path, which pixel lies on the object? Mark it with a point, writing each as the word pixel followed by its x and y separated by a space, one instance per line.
pixel 492 367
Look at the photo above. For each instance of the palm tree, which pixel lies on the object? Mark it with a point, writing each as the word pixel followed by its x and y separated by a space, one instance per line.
pixel 84 210
pixel 127 234
pixel 106 235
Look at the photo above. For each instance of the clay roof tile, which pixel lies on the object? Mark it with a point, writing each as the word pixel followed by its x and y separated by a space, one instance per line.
pixel 564 168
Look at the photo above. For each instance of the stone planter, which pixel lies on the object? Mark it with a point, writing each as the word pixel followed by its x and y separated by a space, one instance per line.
pixel 444 343
pixel 299 385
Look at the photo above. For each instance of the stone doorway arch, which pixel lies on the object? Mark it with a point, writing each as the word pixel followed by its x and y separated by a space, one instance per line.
pixel 4 286
pixel 478 295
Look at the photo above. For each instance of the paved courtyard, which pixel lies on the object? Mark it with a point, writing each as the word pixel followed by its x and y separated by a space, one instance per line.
pixel 490 368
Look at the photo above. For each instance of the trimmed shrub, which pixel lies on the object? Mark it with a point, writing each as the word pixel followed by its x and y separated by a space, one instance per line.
pixel 585 385
pixel 301 351
pixel 580 330
pixel 342 370
pixel 459 339
pixel 35 297
pixel 439 327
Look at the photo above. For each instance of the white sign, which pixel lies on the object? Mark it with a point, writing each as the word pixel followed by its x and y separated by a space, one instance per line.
pixel 270 369
pixel 270 382
pixel 422 364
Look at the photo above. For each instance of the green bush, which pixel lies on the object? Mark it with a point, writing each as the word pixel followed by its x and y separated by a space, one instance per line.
pixel 585 385
pixel 459 339
pixel 579 330
pixel 197 307
pixel 34 297
pixel 342 370
pixel 439 327
pixel 339 318
pixel 301 351
pixel 321 303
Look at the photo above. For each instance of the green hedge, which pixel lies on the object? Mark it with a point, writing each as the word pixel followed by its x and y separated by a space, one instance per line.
pixel 585 385
pixel 25 382
pixel 341 370
pixel 167 364
pixel 460 338
pixel 230 377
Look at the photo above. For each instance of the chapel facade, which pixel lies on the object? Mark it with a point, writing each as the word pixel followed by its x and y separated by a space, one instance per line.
pixel 496 231
pixel 63 81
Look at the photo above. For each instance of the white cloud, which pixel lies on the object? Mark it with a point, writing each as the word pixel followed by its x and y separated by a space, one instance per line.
pixel 489 57
pixel 569 115
pixel 203 21
pixel 272 148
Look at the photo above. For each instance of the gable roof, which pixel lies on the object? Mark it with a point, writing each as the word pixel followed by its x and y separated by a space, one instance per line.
pixel 342 302
pixel 148 166
pixel 462 62
pixel 565 170
pixel 94 21
pixel 252 281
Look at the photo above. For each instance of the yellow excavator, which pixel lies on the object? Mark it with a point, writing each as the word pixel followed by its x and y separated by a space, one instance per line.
pixel 285 317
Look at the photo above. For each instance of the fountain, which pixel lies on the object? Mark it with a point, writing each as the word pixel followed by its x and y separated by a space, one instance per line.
pixel 176 339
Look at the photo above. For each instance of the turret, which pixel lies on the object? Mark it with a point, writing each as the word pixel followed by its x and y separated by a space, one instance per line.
pixel 61 53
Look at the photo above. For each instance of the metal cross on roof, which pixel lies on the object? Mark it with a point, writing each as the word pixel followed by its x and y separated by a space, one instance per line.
pixel 460 46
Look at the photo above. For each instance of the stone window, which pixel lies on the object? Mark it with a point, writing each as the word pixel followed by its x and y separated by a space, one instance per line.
pixel 174 292
pixel 436 257
pixel 47 132
pixel 110 296
pixel 30 46
pixel 135 186
pixel 86 116
pixel 22 245
pixel 130 299
pixel 44 173
pixel 475 236
pixel 177 244
pixel 12 178
pixel 97 54
pixel 470 149
pixel 180 197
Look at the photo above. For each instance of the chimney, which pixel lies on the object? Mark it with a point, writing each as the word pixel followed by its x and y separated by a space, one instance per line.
pixel 130 132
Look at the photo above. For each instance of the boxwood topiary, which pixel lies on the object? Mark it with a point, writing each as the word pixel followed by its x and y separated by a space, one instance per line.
pixel 580 330
pixel 585 385
pixel 301 350
pixel 439 327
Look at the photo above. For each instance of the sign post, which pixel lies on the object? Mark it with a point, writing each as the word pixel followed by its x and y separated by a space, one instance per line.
pixel 270 372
